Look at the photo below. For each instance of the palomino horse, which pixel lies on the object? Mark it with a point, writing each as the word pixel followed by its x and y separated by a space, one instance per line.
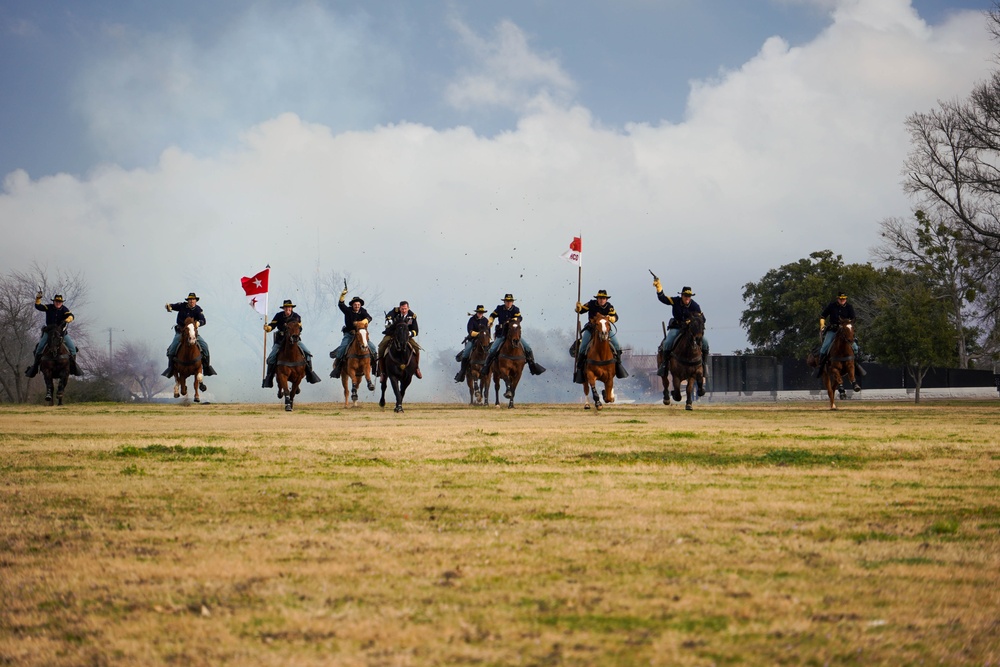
pixel 188 361
pixel 357 364
pixel 686 362
pixel 54 364
pixel 291 365
pixel 600 364
pixel 509 362
pixel 840 363
pixel 398 364
pixel 478 378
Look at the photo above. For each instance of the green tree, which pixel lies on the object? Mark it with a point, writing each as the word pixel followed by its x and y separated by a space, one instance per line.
pixel 956 269
pixel 782 314
pixel 908 325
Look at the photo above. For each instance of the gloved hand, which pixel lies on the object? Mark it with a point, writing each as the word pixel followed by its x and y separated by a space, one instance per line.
pixel 579 307
pixel 657 284
pixel 169 308
pixel 69 318
pixel 267 328
pixel 822 324
pixel 362 323
pixel 473 333
pixel 38 297
pixel 490 321
pixel 612 318
pixel 343 294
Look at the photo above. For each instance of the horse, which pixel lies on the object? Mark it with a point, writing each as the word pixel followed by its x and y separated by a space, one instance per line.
pixel 840 363
pixel 478 377
pixel 600 363
pixel 685 362
pixel 54 363
pixel 509 362
pixel 357 364
pixel 187 362
pixel 291 365
pixel 399 363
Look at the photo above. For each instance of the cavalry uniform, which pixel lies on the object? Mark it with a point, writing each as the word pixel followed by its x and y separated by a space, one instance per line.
pixel 56 315
pixel 681 312
pixel 392 317
pixel 594 307
pixel 477 326
pixel 184 310
pixel 278 324
pixel 502 314
pixel 351 319
pixel 829 322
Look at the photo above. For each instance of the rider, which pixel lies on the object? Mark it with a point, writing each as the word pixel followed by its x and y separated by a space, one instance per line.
pixel 355 316
pixel 829 322
pixel 599 304
pixel 476 326
pixel 56 315
pixel 684 307
pixel 279 322
pixel 404 314
pixel 185 309
pixel 504 313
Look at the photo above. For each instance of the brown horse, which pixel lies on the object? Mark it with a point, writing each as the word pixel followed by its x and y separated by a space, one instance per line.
pixel 188 361
pixel 357 364
pixel 398 364
pixel 54 364
pixel 685 362
pixel 509 363
pixel 477 377
pixel 840 363
pixel 291 364
pixel 600 362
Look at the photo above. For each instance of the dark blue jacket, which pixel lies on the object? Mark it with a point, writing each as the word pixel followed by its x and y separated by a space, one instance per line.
pixel 681 313
pixel 183 312
pixel 54 315
pixel 350 317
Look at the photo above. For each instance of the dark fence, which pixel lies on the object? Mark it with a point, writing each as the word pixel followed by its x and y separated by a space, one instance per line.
pixel 750 374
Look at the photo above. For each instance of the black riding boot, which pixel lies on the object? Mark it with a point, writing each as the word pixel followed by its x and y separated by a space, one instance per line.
pixel 535 368
pixel 32 370
pixel 73 368
pixel 861 371
pixel 578 374
pixel 206 368
pixel 169 373
pixel 822 364
pixel 311 377
pixel 661 370
pixel 335 373
pixel 460 377
pixel 268 382
pixel 620 372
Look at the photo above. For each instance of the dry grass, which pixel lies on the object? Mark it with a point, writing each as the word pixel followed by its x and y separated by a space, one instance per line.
pixel 238 534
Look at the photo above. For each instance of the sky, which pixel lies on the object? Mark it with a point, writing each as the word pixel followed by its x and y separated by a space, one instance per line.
pixel 447 152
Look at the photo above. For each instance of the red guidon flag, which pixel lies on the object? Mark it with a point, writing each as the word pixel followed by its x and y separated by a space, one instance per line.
pixel 256 290
pixel 575 253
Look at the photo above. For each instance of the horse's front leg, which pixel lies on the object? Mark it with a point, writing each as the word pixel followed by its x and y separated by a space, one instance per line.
pixel 381 401
pixel 594 394
pixel 368 376
pixel 354 391
pixel 197 391
pixel 675 393
pixel 397 390
pixel 60 389
pixel 48 389
pixel 177 386
pixel 690 395
pixel 850 374
pixel 609 390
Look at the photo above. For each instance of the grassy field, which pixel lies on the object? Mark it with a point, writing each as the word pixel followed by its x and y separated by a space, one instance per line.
pixel 644 535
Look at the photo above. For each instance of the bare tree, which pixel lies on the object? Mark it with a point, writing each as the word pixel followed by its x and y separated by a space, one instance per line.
pixel 136 370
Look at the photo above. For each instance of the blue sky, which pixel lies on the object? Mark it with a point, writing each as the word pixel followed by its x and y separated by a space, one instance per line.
pixel 709 140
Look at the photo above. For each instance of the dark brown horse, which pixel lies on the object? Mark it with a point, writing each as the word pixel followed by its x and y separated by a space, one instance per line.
pixel 291 365
pixel 477 377
pixel 398 364
pixel 188 361
pixel 509 363
pixel 54 364
pixel 357 364
pixel 600 362
pixel 840 363
pixel 686 362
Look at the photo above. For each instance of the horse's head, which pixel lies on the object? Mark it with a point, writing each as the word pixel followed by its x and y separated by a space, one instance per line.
pixel 482 341
pixel 400 334
pixel 602 327
pixel 696 327
pixel 56 336
pixel 845 330
pixel 293 331
pixel 513 331
pixel 361 336
pixel 190 331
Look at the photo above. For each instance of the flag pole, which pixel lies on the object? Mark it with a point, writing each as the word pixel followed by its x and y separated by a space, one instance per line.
pixel 579 287
pixel 263 359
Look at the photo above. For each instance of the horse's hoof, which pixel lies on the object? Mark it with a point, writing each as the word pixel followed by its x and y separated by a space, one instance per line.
pixel 197 400
pixel 688 407
pixel 857 388
pixel 598 406
pixel 288 408
pixel 371 387
pixel 202 386
pixel 507 394
pixel 701 391
pixel 666 401
pixel 586 406
pixel 398 408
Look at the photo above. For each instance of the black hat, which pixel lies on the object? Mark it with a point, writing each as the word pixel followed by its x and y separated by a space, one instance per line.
pixel 57 297
pixel 841 293
pixel 686 291
pixel 508 297
pixel 358 299
pixel 192 295
pixel 480 309
pixel 602 294
pixel 286 303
